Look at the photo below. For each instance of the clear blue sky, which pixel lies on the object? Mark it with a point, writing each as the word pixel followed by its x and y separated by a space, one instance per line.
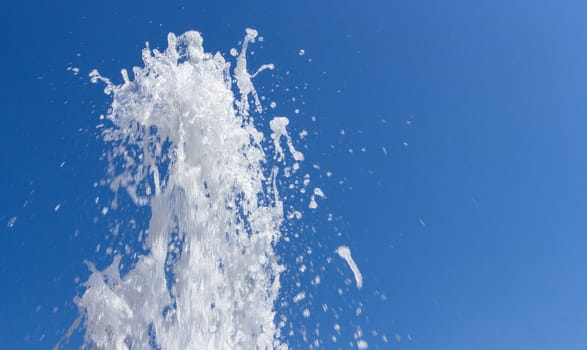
pixel 473 223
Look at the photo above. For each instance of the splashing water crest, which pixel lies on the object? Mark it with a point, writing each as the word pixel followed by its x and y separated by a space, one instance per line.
pixel 185 147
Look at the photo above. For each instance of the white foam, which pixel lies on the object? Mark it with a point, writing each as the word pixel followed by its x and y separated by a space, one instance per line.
pixel 345 253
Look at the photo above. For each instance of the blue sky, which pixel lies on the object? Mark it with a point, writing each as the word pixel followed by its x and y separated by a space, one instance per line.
pixel 473 222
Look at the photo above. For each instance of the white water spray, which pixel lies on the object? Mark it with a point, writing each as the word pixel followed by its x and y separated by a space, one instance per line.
pixel 184 146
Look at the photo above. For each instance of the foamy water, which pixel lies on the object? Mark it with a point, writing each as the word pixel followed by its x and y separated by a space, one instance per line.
pixel 183 143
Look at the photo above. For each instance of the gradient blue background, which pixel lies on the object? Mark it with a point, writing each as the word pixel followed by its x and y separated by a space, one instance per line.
pixel 473 225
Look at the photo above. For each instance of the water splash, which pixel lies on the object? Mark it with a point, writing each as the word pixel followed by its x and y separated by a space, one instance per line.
pixel 345 253
pixel 183 144
pixel 185 147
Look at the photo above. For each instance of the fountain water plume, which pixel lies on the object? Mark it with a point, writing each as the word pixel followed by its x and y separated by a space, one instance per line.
pixel 183 145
